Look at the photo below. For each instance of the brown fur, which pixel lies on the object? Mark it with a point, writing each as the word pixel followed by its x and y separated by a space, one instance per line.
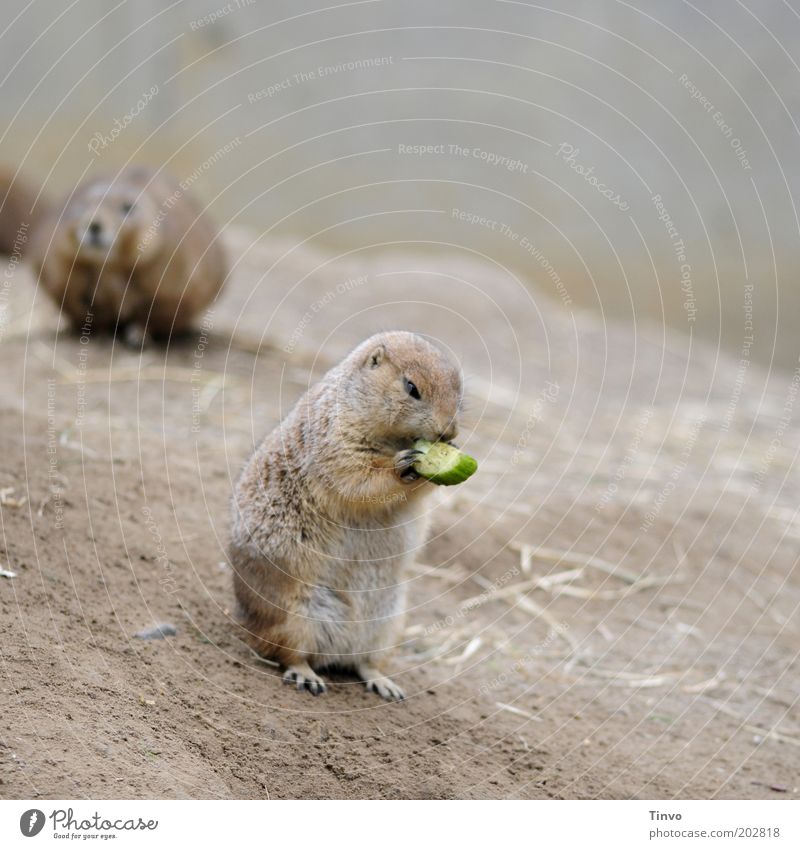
pixel 134 251
pixel 327 514
pixel 17 214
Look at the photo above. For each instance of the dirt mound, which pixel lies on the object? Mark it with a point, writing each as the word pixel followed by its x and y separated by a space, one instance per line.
pixel 609 608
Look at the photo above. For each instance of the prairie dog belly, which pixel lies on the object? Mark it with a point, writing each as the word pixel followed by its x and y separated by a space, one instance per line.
pixel 358 608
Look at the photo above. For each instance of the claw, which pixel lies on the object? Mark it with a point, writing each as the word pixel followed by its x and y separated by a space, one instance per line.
pixel 304 678
pixel 404 464
pixel 383 686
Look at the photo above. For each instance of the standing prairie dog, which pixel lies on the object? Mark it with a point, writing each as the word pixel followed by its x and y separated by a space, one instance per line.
pixel 131 253
pixel 328 511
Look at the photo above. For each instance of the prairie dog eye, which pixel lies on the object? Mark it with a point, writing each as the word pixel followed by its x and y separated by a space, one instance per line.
pixel 411 388
pixel 126 208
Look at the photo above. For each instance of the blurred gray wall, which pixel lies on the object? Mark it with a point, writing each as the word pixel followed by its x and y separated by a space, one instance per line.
pixel 550 130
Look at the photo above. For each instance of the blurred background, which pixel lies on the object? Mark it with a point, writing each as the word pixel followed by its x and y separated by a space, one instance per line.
pixel 636 159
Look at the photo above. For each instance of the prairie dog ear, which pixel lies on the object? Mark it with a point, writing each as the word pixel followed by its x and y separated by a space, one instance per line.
pixel 375 357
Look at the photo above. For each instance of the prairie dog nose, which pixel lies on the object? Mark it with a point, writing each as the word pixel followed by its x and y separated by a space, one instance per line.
pixel 94 229
pixel 449 433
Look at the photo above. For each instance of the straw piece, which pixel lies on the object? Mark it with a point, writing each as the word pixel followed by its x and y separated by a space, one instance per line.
pixel 525 558
pixel 7 498
pixel 579 560
pixel 518 712
pixel 610 595
pixel 632 679
pixel 472 646
pixel 708 684
pixel 452 574
pixel 261 659
pixel 769 733
pixel 528 604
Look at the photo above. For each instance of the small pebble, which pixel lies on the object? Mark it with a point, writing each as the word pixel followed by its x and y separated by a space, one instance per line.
pixel 158 633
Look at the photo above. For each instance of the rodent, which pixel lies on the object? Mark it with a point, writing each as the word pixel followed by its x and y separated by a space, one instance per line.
pixel 131 254
pixel 328 511
pixel 18 213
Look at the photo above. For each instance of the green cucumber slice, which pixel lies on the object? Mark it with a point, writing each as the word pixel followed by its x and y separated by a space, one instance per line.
pixel 442 463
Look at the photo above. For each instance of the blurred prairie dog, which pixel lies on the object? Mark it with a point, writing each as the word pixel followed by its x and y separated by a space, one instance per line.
pixel 132 253
pixel 17 214
pixel 328 512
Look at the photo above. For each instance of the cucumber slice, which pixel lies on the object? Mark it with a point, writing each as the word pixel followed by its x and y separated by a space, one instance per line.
pixel 442 463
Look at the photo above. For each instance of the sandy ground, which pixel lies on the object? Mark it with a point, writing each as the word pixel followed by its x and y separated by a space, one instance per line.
pixel 608 609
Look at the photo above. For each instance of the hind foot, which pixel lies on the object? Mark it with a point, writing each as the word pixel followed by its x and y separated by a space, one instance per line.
pixel 380 684
pixel 304 678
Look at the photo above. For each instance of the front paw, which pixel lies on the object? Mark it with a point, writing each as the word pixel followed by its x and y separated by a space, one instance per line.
pixel 404 464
